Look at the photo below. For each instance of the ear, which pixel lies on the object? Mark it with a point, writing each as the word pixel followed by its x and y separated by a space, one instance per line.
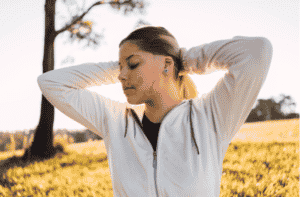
pixel 169 63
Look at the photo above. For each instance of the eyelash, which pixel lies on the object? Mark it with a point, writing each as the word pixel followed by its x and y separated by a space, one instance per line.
pixel 133 66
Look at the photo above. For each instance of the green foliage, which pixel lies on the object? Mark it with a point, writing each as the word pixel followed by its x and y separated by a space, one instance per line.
pixel 249 169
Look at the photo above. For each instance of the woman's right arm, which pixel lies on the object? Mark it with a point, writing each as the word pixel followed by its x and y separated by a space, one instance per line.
pixel 65 89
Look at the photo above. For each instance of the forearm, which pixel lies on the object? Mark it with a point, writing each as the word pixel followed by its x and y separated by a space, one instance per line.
pixel 66 90
pixel 228 54
pixel 247 61
pixel 81 76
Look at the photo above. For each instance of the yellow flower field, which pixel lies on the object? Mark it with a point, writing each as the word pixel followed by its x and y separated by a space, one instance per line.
pixel 254 165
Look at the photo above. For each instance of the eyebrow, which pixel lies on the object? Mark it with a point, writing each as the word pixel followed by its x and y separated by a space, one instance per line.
pixel 127 58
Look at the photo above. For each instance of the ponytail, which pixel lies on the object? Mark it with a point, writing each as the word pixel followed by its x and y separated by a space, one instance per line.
pixel 188 88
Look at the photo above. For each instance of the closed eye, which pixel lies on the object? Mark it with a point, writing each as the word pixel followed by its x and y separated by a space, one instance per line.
pixel 133 66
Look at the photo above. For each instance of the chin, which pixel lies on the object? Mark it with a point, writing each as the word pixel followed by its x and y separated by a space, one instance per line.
pixel 133 101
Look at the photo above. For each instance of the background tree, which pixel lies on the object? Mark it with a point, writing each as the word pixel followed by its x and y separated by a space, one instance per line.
pixel 269 109
pixel 138 24
pixel 79 30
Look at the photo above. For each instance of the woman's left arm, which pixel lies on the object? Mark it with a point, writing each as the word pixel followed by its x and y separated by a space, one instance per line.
pixel 247 60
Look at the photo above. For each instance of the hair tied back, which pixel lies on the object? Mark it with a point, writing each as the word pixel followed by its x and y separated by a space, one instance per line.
pixel 184 69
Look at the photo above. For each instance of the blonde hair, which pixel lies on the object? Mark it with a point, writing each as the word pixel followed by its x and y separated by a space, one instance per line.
pixel 188 88
pixel 159 41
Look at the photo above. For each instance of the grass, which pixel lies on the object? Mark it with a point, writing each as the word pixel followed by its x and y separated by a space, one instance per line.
pixel 261 169
pixel 269 131
pixel 75 174
pixel 250 168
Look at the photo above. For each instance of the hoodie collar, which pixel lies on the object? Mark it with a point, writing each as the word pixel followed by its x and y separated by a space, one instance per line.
pixel 140 109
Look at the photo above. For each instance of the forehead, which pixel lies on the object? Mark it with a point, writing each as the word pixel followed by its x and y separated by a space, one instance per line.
pixel 129 48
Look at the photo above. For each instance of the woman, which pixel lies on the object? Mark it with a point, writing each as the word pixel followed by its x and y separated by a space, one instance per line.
pixel 174 145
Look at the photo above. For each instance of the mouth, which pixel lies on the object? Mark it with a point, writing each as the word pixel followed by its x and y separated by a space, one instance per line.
pixel 128 88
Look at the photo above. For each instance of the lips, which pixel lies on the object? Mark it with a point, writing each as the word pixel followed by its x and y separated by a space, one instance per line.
pixel 128 88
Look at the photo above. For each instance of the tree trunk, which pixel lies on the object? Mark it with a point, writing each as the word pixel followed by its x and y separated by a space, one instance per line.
pixel 42 145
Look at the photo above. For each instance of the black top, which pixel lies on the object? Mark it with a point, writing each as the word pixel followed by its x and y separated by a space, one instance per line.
pixel 151 131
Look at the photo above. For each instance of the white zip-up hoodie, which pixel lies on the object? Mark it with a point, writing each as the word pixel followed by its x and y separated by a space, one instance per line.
pixel 193 137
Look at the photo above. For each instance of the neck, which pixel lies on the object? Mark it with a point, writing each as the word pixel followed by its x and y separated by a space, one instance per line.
pixel 156 109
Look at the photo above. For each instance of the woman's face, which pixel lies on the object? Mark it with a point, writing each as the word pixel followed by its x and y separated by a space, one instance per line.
pixel 140 73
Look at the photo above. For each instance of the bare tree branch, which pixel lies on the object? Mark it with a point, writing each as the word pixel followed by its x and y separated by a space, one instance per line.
pixel 78 18
pixel 115 4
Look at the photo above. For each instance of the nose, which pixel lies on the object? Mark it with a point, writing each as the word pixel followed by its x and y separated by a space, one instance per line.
pixel 122 75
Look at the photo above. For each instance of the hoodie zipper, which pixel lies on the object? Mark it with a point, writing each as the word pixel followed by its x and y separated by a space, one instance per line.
pixel 155 170
pixel 154 152
pixel 154 159
pixel 154 164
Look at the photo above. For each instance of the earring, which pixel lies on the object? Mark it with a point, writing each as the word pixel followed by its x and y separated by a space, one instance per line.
pixel 166 70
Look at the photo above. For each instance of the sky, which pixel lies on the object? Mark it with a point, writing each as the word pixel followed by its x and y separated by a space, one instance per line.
pixel 192 22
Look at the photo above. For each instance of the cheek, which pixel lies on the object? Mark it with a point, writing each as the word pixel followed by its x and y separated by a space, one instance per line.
pixel 145 84
pixel 147 81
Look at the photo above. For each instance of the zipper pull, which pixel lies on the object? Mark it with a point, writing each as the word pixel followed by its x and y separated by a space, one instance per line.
pixel 154 159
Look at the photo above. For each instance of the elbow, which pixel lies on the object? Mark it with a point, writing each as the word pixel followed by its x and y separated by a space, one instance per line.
pixel 262 50
pixel 40 82
pixel 40 79
pixel 265 41
pixel 263 45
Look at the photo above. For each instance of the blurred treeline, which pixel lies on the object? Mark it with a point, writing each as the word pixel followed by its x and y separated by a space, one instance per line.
pixel 265 109
pixel 270 109
pixel 22 139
